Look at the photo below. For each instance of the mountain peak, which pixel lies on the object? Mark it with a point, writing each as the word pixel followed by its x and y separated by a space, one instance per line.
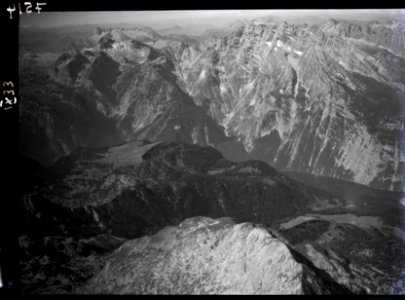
pixel 332 22
pixel 179 263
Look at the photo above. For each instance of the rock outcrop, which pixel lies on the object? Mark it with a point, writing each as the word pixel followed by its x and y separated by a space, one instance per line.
pixel 321 99
pixel 207 256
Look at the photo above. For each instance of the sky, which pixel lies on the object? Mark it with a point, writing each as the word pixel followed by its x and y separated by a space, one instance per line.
pixel 184 18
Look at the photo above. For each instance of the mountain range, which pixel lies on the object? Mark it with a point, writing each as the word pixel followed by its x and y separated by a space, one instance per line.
pixel 276 145
pixel 320 99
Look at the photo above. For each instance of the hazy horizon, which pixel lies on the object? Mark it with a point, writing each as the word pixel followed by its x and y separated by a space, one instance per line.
pixel 213 18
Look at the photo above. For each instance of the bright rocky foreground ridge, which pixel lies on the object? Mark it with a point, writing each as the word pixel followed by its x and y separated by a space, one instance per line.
pixel 91 202
pixel 322 99
pixel 206 256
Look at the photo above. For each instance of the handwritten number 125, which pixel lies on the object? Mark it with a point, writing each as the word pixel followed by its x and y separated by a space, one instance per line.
pixel 27 9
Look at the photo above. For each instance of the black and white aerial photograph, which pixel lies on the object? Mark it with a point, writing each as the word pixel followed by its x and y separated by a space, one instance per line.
pixel 212 152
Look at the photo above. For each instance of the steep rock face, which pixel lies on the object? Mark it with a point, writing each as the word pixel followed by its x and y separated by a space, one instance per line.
pixel 206 256
pixel 321 99
pixel 55 119
pixel 363 253
pixel 150 103
pixel 69 65
pixel 306 98
pixel 389 34
pixel 133 86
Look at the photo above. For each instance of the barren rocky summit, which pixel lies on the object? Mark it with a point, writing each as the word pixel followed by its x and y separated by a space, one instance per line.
pixel 206 256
